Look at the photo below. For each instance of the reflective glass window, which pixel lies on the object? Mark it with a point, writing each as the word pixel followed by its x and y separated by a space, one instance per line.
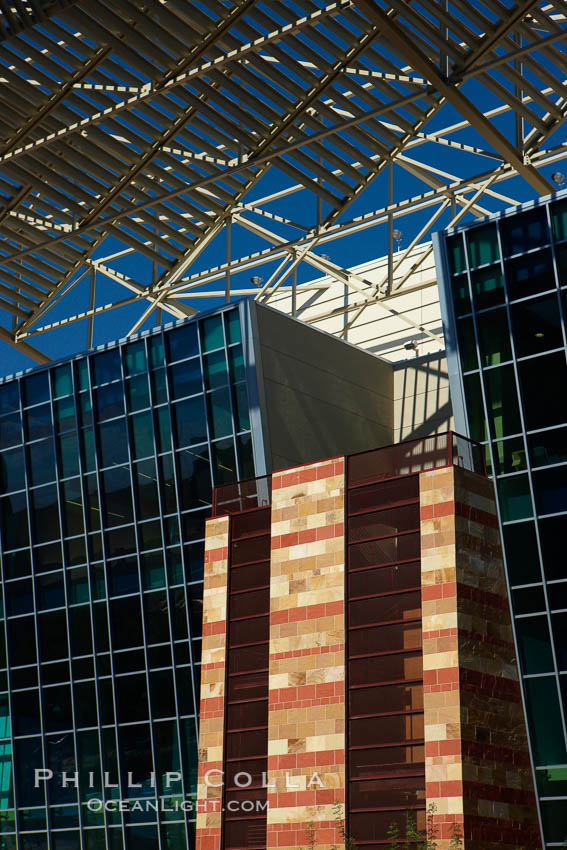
pixel 536 325
pixel 126 622
pixel 64 414
pixel 72 507
pixel 502 401
pixel 36 388
pixel 522 556
pixel 117 500
pixel 19 597
pixel 220 416
pixel 195 484
pixel 190 421
pixel 236 362
pixel 15 516
pixel 16 564
pixel 552 532
pixel 456 254
pixel 182 342
pixel 134 356
pixel 494 337
pixel 461 295
pixel 167 478
pixel 12 472
pixel 62 381
pixel 38 422
pixel 224 462
pixel 88 449
pixel 515 498
pixel 10 430
pixel 530 274
pixel 163 432
pixel 153 573
pixel 122 576
pixel 487 287
pixel 106 367
pixel 9 397
pixel 475 407
pixel 548 743
pixel 467 344
pixel 162 694
pixel 142 434
pixel 121 541
pixel 214 366
pixel 48 557
pixel 138 393
pixel 45 513
pixel 156 617
pixel 550 490
pixel 245 456
pixel 92 506
pixel 509 455
pixel 42 462
pixel 543 402
pixel 78 586
pixel 75 551
pixel 110 401
pixel 57 709
pixel 28 751
pixel 232 322
pixel 82 373
pixel 483 245
pixel 524 231
pixel 528 600
pixel 559 220
pixel 53 640
pixel 68 455
pixel 145 483
pixel 50 591
pixel 240 400
pixel 559 623
pixel 85 409
pixel 211 333
pixel 159 389
pixel 185 378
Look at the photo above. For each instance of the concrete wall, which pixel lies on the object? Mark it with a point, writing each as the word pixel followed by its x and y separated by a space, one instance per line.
pixel 421 397
pixel 319 396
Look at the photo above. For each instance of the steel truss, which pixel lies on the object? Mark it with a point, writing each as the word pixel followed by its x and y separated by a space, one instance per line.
pixel 139 139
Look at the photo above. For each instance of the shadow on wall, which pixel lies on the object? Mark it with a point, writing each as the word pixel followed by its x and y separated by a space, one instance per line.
pixel 422 404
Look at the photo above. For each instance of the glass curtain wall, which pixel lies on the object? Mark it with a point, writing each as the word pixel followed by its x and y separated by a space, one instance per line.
pixel 107 464
pixel 506 293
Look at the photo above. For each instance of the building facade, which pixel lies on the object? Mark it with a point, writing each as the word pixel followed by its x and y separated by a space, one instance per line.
pixel 107 468
pixel 503 288
pixel 359 669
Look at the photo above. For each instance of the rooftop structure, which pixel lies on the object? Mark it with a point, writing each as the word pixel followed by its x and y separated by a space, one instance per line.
pixel 157 157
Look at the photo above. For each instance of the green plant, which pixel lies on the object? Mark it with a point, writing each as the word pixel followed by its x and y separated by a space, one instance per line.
pixel 349 842
pixel 394 836
pixel 456 841
pixel 431 829
pixel 310 833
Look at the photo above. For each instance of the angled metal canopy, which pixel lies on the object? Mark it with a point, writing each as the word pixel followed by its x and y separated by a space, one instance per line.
pixel 161 146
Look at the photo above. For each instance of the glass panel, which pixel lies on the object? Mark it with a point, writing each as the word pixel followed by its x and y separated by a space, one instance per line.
pixel 15 516
pixel 552 532
pixel 45 514
pixel 548 743
pixel 72 507
pixel 461 296
pixel 211 333
pixel 185 378
pixel 528 600
pixel 475 407
pixel 502 401
pixel 494 337
pixel 36 388
pixel 525 231
pixel 245 456
pixel 530 274
pixel 106 367
pixel 236 361
pixel 12 474
pixel 153 573
pixel 467 344
pixel 240 399
pixel 135 358
pixel 167 480
pixel 42 462
pixel 214 366
pixel 389 550
pixel 82 373
pixel 62 381
pixel 182 342
pixel 195 483
pixel 145 480
pixel 110 401
pixel 38 422
pixel 163 435
pixel 113 443
pixel 155 348
pixel 190 421
pixel 117 496
pixel 559 222
pixel 559 622
pixel 220 416
pixel 537 325
pixel 456 254
pixel 142 434
pixel 509 455
pixel 483 245
pixel 10 430
pixel 488 287
pixel 540 379
pixel 138 393
pixel 550 490
pixel 232 320
pixel 515 498
pixel 403 606
pixel 385 638
pixel 86 409
pixel 9 397
pixel 64 414
pixel 224 462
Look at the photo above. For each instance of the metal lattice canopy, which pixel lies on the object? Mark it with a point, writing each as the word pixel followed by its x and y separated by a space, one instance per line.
pixel 159 151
